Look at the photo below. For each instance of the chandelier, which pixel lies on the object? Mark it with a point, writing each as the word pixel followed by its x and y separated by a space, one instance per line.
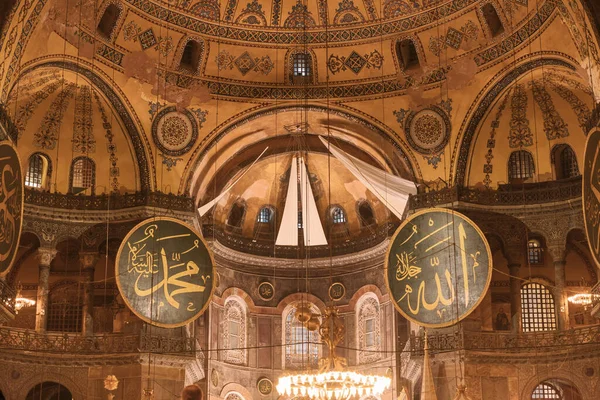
pixel 20 301
pixel 332 381
pixel 584 299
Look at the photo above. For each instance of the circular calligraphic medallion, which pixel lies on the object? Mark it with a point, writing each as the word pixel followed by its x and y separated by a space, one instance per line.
pixel 165 272
pixel 11 202
pixel 438 267
pixel 591 193
pixel 266 291
pixel 264 386
pixel 174 132
pixel 337 291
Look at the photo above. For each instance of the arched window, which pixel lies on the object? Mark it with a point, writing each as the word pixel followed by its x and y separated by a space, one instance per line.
pixel 64 307
pixel 534 252
pixel 492 19
pixel 108 22
pixel 234 331
pixel 365 214
pixel 301 344
pixel 565 162
pixel 236 215
pixel 301 68
pixel 37 170
pixel 538 312
pixel 338 215
pixel 368 328
pixel 546 391
pixel 520 166
pixel 406 52
pixel 191 56
pixel 83 175
pixel 264 215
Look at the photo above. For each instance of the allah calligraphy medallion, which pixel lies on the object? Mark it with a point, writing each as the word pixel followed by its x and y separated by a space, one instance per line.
pixel 438 267
pixel 11 205
pixel 165 272
pixel 591 193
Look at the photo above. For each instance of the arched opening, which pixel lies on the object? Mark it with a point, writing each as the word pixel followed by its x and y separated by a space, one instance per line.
pixel 265 223
pixel 492 19
pixel 555 389
pixel 83 175
pixel 5 8
pixel 520 166
pixel 37 170
pixel 108 22
pixel 406 52
pixel 366 214
pixel 301 68
pixel 49 391
pixel 337 221
pixel 565 162
pixel 535 251
pixel 191 56
pixel 538 311
pixel 236 215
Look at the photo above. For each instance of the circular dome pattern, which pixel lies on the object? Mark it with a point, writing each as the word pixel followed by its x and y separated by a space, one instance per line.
pixel 174 132
pixel 428 130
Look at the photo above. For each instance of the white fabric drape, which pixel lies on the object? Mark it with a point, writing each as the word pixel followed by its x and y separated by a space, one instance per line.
pixel 204 209
pixel 391 190
pixel 288 231
pixel 311 222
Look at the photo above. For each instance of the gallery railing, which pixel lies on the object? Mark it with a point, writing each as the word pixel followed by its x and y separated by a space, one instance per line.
pixel 7 296
pixel 112 201
pixel 506 195
pixel 28 340
pixel 595 306
pixel 507 342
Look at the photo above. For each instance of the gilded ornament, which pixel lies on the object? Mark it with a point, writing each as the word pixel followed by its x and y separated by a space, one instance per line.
pixel 337 291
pixel 264 386
pixel 11 204
pixel 266 291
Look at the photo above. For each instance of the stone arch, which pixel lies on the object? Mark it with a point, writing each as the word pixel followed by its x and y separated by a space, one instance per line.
pixel 559 374
pixel 484 101
pixel 50 375
pixel 191 182
pixel 110 90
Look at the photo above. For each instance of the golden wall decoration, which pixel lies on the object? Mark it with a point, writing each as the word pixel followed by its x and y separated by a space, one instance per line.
pixel 591 193
pixel 11 205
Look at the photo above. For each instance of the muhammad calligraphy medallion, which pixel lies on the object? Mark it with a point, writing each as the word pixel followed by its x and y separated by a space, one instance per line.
pixel 11 205
pixel 438 267
pixel 591 193
pixel 165 272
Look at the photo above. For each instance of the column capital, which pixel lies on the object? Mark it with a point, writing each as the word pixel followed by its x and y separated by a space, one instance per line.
pixel 45 255
pixel 88 259
pixel 558 252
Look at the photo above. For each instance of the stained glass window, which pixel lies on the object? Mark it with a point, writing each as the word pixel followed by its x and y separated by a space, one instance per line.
pixel 538 312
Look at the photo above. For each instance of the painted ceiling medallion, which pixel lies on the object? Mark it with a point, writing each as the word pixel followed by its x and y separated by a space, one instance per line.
pixel 174 132
pixel 428 130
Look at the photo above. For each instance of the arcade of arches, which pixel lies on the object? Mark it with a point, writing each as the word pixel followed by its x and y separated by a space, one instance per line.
pixel 122 110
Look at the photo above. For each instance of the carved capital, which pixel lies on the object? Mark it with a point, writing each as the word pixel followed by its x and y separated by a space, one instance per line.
pixel 88 259
pixel 45 256
pixel 558 252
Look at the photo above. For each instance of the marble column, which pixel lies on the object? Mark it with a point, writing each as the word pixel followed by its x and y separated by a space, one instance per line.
pixel 559 254
pixel 88 262
pixel 45 257
pixel 515 296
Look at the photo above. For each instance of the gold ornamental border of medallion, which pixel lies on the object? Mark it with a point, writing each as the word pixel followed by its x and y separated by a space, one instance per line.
pixel 406 266
pixel 590 201
pixel 178 279
pixel 7 263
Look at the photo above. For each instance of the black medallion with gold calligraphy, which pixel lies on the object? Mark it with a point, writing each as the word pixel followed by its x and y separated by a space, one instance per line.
pixel 591 193
pixel 438 267
pixel 11 205
pixel 165 272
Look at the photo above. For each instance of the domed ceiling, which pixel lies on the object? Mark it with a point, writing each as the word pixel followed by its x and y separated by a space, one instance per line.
pixel 541 110
pixel 60 115
pixel 300 14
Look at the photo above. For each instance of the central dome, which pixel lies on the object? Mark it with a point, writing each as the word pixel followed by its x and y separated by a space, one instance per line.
pixel 299 14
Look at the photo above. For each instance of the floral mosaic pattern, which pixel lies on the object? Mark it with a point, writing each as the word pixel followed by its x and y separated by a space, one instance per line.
pixel 27 109
pixel 491 143
pixel 554 126
pixel 454 38
pixel 520 134
pixel 577 105
pixel 244 63
pixel 300 17
pixel 111 147
pixel 47 135
pixel 83 127
pixel 355 62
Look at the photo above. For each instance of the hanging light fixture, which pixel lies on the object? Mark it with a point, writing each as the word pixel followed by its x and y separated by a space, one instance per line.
pixel 20 301
pixel 582 299
pixel 332 381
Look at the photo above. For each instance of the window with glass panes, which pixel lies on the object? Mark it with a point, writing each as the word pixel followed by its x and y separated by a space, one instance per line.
pixel 301 348
pixel 83 173
pixel 338 215
pixel 569 163
pixel 534 250
pixel 302 65
pixel 520 165
pixel 546 391
pixel 35 171
pixel 538 312
pixel 264 215
pixel 369 332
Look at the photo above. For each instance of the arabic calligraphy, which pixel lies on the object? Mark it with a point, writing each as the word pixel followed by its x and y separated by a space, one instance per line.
pixel 591 193
pixel 11 205
pixel 438 267
pixel 165 272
